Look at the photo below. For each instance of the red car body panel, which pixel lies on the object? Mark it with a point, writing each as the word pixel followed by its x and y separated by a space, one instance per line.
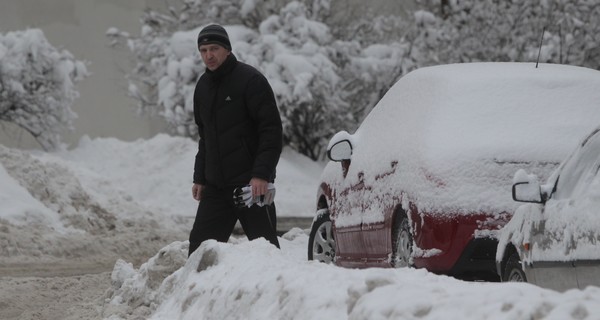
pixel 370 245
pixel 450 234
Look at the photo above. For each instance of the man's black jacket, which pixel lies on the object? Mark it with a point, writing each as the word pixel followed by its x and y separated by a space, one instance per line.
pixel 239 126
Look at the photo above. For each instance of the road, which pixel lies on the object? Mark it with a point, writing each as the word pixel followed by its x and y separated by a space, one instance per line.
pixel 71 290
pixel 53 291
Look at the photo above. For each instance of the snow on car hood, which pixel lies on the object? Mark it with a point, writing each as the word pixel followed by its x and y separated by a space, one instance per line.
pixel 460 131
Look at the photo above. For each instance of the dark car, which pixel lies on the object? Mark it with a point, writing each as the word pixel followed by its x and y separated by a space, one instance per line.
pixel 422 181
pixel 554 241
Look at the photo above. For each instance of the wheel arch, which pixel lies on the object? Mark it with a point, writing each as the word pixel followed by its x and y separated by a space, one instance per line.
pixel 510 249
pixel 322 202
pixel 326 246
pixel 397 213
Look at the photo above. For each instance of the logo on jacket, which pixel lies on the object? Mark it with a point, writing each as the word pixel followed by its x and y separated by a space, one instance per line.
pixel 228 98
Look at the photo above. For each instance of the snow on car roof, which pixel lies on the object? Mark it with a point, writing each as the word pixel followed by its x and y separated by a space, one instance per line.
pixel 460 131
pixel 492 110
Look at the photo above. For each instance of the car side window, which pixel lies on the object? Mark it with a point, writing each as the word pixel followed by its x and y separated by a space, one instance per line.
pixel 580 169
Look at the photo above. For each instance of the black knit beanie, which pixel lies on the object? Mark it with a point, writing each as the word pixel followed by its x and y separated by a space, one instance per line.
pixel 214 34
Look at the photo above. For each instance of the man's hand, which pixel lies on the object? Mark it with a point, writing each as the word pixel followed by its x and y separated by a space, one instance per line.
pixel 197 191
pixel 244 197
pixel 259 186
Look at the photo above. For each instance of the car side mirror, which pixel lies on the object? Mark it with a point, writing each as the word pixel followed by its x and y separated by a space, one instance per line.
pixel 526 188
pixel 529 191
pixel 340 147
pixel 340 151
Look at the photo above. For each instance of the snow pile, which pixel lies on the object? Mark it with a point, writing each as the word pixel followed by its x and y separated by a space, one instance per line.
pixel 58 190
pixel 254 280
pixel 110 199
pixel 19 206
pixel 156 173
pixel 137 290
pixel 56 210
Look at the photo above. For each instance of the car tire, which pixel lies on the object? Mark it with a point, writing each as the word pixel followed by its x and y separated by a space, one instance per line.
pixel 514 269
pixel 402 242
pixel 321 244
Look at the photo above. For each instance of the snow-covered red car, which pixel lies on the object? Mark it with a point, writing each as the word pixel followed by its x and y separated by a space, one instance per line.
pixel 554 241
pixel 422 182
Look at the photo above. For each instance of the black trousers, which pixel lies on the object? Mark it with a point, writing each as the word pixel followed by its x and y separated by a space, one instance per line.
pixel 217 215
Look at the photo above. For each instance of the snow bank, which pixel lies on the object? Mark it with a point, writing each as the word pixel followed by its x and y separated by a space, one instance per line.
pixel 157 173
pixel 254 280
pixel 55 188
pixel 20 207
pixel 109 198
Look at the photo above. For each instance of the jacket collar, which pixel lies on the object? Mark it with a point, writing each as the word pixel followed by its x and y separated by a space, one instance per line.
pixel 224 68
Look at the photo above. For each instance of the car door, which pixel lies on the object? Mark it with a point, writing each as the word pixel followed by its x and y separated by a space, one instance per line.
pixel 561 238
pixel 378 203
pixel 347 187
pixel 551 273
pixel 359 205
pixel 586 189
pixel 348 223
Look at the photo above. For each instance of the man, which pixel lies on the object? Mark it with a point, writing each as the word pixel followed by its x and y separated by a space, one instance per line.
pixel 240 143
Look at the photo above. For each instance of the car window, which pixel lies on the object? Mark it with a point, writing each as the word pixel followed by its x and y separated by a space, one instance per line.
pixel 580 169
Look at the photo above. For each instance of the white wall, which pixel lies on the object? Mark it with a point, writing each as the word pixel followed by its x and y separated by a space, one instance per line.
pixel 79 26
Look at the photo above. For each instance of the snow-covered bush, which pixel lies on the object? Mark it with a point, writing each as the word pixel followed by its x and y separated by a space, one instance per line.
pixel 37 85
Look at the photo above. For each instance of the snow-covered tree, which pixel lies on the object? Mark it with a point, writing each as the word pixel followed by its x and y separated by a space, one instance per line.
pixel 380 52
pixel 37 85
pixel 322 83
pixel 496 30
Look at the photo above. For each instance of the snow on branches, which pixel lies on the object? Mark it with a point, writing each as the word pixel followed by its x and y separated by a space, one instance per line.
pixel 37 85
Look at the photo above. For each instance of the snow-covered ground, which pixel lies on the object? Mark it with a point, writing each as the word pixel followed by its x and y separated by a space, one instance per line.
pixel 109 199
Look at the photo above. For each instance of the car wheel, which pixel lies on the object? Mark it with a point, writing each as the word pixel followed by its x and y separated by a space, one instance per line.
pixel 321 245
pixel 514 270
pixel 402 242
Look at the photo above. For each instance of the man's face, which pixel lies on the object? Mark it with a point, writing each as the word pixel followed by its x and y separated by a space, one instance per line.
pixel 213 55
